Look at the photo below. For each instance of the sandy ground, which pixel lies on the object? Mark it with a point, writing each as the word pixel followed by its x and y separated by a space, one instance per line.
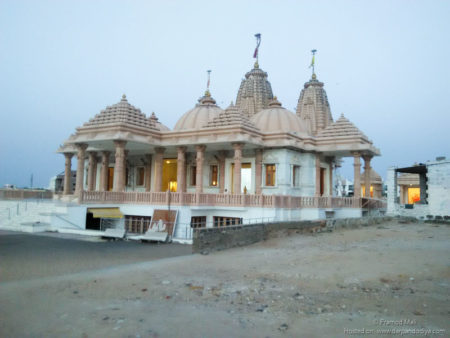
pixel 387 277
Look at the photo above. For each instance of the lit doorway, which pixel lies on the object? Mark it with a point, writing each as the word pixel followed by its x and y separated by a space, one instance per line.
pixel 246 178
pixel 110 178
pixel 169 174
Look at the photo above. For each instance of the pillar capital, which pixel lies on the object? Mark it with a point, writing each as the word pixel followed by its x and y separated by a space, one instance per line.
pixel 81 146
pixel 223 154
pixel 159 150
pixel 120 143
pixel 181 150
pixel 237 146
pixel 68 155
pixel 200 148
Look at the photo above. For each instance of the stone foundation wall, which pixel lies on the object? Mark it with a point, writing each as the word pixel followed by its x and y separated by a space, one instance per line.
pixel 214 239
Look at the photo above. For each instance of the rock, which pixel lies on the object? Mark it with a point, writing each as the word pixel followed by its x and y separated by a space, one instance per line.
pixel 165 282
pixel 418 313
pixel 204 252
pixel 283 327
pixel 144 290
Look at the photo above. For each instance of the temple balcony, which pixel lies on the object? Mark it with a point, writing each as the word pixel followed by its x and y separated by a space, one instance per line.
pixel 228 200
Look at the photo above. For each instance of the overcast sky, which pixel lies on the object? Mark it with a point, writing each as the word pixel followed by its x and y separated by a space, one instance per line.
pixel 385 65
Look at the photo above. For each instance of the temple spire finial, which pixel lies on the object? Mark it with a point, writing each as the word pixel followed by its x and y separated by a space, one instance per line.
pixel 207 93
pixel 256 53
pixel 313 62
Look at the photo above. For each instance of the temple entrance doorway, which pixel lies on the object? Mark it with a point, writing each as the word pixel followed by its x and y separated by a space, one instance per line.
pixel 246 178
pixel 110 179
pixel 169 174
pixel 322 181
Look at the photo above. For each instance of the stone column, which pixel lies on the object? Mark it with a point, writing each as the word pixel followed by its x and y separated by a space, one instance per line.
pixel 222 156
pixel 200 159
pixel 92 169
pixel 392 200
pixel 367 175
pixel 67 174
pixel 181 169
pixel 104 171
pixel 258 171
pixel 119 169
pixel 317 175
pixel 81 147
pixel 125 169
pixel 356 175
pixel 423 188
pixel 148 171
pixel 331 187
pixel 159 157
pixel 237 166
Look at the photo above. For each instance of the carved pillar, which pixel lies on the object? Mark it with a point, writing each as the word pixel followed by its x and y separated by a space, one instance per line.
pixel 181 169
pixel 119 169
pixel 81 147
pixel 125 169
pixel 237 167
pixel 200 159
pixel 317 175
pixel 367 174
pixel 104 173
pixel 356 175
pixel 67 174
pixel 330 190
pixel 159 156
pixel 148 171
pixel 92 170
pixel 258 171
pixel 222 156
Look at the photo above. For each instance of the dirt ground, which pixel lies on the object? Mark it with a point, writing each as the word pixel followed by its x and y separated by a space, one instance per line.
pixel 387 280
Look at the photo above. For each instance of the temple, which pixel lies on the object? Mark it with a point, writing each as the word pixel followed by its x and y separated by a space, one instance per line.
pixel 251 161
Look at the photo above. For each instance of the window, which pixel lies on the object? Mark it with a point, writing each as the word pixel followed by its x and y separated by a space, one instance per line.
pixel 270 175
pixel 137 224
pixel 220 221
pixel 198 221
pixel 193 175
pixel 296 176
pixel 140 171
pixel 213 175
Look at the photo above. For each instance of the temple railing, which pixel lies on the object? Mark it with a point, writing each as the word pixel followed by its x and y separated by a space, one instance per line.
pixel 228 200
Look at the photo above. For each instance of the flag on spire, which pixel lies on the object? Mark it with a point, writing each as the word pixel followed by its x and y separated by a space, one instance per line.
pixel 313 61
pixel 258 42
pixel 209 77
pixel 313 58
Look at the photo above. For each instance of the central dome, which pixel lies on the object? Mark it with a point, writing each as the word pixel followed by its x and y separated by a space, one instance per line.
pixel 200 115
pixel 277 119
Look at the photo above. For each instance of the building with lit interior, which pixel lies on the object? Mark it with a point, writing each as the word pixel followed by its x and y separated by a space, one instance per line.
pixel 252 161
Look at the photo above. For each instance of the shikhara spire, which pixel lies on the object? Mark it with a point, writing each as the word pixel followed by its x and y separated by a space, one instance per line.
pixel 313 61
pixel 256 53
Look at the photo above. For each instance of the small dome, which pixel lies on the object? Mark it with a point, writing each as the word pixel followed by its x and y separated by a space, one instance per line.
pixel 159 125
pixel 200 115
pixel 278 119
pixel 375 178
